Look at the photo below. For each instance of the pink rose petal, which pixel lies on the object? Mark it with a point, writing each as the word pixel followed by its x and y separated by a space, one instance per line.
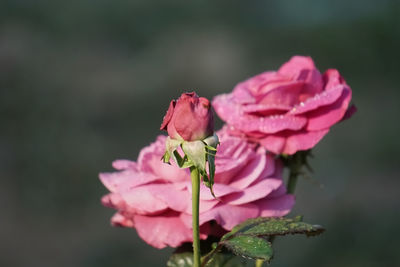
pixel 302 68
pixel 303 141
pixel 220 190
pixel 243 96
pixel 226 167
pixel 205 205
pixel 233 114
pixel 322 99
pixel 266 109
pixel 290 143
pixel 282 94
pixel 229 216
pixel 143 201
pixel 333 79
pixel 112 180
pixel 171 197
pixel 120 220
pixel 271 124
pixel 256 85
pixel 122 164
pixel 113 201
pixel 274 143
pixel 162 231
pixel 276 207
pixel 295 65
pixel 278 192
pixel 150 161
pixel 169 172
pixel 226 216
pixel 168 115
pixel 278 170
pixel 147 153
pixel 124 179
pixel 251 172
pixel 254 192
pixel 326 116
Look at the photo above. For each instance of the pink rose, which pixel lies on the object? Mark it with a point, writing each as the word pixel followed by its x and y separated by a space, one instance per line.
pixel 189 118
pixel 155 198
pixel 286 110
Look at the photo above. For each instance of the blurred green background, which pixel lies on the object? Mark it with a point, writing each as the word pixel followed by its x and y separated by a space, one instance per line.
pixel 85 82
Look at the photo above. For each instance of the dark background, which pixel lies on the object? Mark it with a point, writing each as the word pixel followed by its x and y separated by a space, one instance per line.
pixel 85 82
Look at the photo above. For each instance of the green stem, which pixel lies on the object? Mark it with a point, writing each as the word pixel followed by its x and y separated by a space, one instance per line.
pixel 293 177
pixel 207 257
pixel 194 173
pixel 296 162
pixel 259 263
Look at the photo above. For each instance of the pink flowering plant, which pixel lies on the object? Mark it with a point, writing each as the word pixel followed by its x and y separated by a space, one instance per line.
pixel 223 191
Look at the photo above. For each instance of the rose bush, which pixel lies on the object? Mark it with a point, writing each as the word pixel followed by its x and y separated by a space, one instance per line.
pixel 286 110
pixel 189 118
pixel 155 198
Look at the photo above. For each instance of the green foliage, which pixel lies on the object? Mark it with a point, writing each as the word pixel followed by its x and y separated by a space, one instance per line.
pixel 185 259
pixel 250 240
pixel 209 180
pixel 197 154
pixel 262 226
pixel 181 260
pixel 226 260
pixel 249 246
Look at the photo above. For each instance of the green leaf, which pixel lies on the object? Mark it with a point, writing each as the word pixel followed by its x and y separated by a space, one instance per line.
pixel 284 227
pixel 185 259
pixel 181 260
pixel 211 165
pixel 249 239
pixel 226 260
pixel 165 158
pixel 243 226
pixel 211 144
pixel 211 169
pixel 179 160
pixel 263 227
pixel 182 162
pixel 212 141
pixel 171 146
pixel 196 153
pixel 211 148
pixel 249 246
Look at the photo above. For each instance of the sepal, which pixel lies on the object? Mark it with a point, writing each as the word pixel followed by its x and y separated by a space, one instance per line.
pixel 198 154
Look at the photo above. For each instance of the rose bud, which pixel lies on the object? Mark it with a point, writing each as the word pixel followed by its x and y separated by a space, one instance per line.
pixel 189 118
pixel 190 126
